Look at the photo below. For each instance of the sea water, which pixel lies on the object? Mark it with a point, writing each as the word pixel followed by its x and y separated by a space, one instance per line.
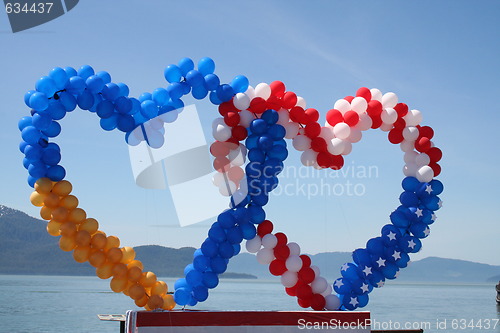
pixel 71 304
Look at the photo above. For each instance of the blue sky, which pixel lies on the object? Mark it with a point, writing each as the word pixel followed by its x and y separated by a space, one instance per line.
pixel 439 57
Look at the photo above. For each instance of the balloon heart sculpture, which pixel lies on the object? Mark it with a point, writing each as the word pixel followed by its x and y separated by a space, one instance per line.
pixel 262 117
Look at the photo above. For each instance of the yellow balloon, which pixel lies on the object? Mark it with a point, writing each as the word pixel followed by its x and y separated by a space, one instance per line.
pixel 43 185
pixel 120 270
pixel 112 242
pixel 81 253
pixel 168 302
pixel 98 241
pixel 67 243
pixel 134 274
pixel 68 229
pixel 136 263
pixel 90 225
pixel 142 302
pixel 105 271
pixel 51 200
pixel 83 238
pixel 97 258
pixel 37 199
pixel 148 279
pixel 136 292
pixel 54 228
pixel 60 214
pixel 62 188
pixel 46 213
pixel 159 288
pixel 69 202
pixel 155 302
pixel 118 284
pixel 128 254
pixel 77 215
pixel 114 255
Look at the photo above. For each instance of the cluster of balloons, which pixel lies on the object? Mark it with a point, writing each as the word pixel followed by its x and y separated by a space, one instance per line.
pixel 249 151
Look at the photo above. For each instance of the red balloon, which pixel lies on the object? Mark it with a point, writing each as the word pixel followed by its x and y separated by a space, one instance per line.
pixel 306 260
pixel 435 154
pixel 289 100
pixel 304 303
pixel 396 136
pixel 436 168
pixel 313 114
pixel 291 291
pixel 239 133
pixel 351 118
pixel 338 162
pixel 281 252
pixel 333 117
pixel 282 239
pixel 349 98
pixel 312 130
pixel 365 93
pixel 257 105
pixel 423 144
pixel 318 302
pixel 264 228
pixel 232 118
pixel 304 291
pixel 324 159
pixel 401 109
pixel 226 107
pixel 221 164
pixel 426 131
pixel 219 149
pixel 273 103
pixel 277 88
pixel 400 124
pixel 298 115
pixel 318 144
pixel 307 275
pixel 277 267
pixel 374 108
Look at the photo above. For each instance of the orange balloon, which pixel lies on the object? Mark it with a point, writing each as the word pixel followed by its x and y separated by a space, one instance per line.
pixel 67 243
pixel 37 199
pixel 97 258
pixel 113 241
pixel 114 255
pixel 120 270
pixel 148 279
pixel 136 263
pixel 155 302
pixel 43 185
pixel 60 214
pixel 67 229
pixel 159 288
pixel 82 238
pixel 142 302
pixel 69 202
pixel 128 254
pixel 53 228
pixel 51 200
pixel 98 241
pixel 91 225
pixel 62 188
pixel 136 292
pixel 46 213
pixel 105 271
pixel 134 273
pixel 77 215
pixel 168 302
pixel 118 284
pixel 81 253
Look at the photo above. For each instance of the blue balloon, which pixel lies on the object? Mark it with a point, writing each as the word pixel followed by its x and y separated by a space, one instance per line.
pixel 404 260
pixel 124 90
pixel 375 246
pixel 24 122
pixel 56 173
pixel 410 244
pixel 409 199
pixel 217 233
pixel 85 100
pixel 125 123
pixel 70 71
pixel 76 85
pixel 149 109
pixel 226 220
pixel 265 142
pixel 27 97
pixel 105 109
pixel 206 66
pixel 390 235
pixel 37 170
pixel 175 90
pixel 145 97
pixel 194 277
pixel 160 96
pixel 209 248
pixel 376 279
pixel 437 187
pixel 239 84
pixel 214 99
pixel 60 77
pixel 186 65
pixel 251 141
pixel 237 248
pixel 248 230
pixel 85 72
pixel 270 116
pixel 182 283
pixel 262 198
pixel 31 134
pixel 257 155
pixel 362 258
pixel 234 235
pixel 182 296
pixel 201 262
pixel 210 280
pixel 123 105
pixel 390 270
pixel 258 126
pixel 111 91
pixel 56 110
pixel 225 92
pixel 342 286
pixel 212 81
pixel 51 156
pixel 33 152
pixel 41 121
pixel 257 214
pixel 197 253
pixel 67 100
pixel 110 123
pixel 39 101
pixel 432 202
pixel 106 78
pixel 195 78
pixel 26 163
pixel 226 250
pixel 277 132
pixel 199 92
pixel 46 85
pixel 218 265
pixel 410 184
pixel 351 272
pixel 53 130
pixel 95 83
pixel 363 300
pixel 400 219
pixel 172 73
pixel 420 229
pixel 200 293
pixel 361 287
pixel 32 181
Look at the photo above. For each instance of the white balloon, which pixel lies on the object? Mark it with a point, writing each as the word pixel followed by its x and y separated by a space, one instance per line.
pixel 292 129
pixel 425 174
pixel 359 104
pixel 301 102
pixel 410 133
pixel 241 101
pixel 413 118
pixel 227 189
pixel 347 148
pixel 250 92
pixel 265 256
pixel 240 194
pixel 355 135
pixel 386 127
pixel 170 116
pixel 410 156
pixel 407 146
pixel 342 131
pixel 294 248
pixel 246 117
pixel 336 146
pixel 308 157
pixel 269 241
pixel 328 291
pixel 316 270
pixel 342 105
pixel 218 179
pixel 253 245
pixel 389 116
pixel 422 159
pixel 376 94
pixel 289 279
pixel 319 285
pixel 157 123
pixel 283 117
pixel 365 122
pixel 217 121
pixel 263 90
pixel 293 263
pixel 327 133
pixel 389 100
pixel 332 302
pixel 222 132
pixel 237 156
pixel 410 170
pixel 301 142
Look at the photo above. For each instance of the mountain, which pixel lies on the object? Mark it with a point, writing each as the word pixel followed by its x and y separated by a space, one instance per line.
pixel 26 248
